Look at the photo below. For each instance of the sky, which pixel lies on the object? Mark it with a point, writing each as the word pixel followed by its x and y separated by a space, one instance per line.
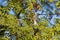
pixel 3 2
pixel 52 21
pixel 12 11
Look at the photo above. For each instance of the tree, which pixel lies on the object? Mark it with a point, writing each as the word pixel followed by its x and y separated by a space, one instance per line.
pixel 28 28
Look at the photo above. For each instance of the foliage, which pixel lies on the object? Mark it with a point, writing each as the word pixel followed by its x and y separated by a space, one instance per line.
pixel 26 28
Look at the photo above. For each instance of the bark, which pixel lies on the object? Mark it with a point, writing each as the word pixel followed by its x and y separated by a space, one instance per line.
pixel 35 19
